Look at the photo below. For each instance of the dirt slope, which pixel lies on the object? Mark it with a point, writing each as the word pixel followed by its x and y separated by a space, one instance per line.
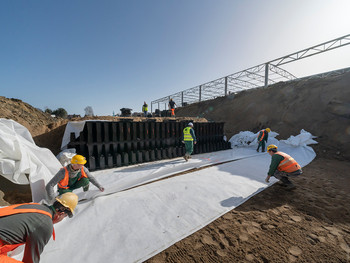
pixel 320 106
pixel 36 121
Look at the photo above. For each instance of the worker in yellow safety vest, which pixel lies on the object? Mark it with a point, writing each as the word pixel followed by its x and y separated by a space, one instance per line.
pixel 31 224
pixel 189 138
pixel 145 108
pixel 283 167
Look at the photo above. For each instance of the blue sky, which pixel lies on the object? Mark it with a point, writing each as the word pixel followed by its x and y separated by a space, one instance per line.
pixel 110 54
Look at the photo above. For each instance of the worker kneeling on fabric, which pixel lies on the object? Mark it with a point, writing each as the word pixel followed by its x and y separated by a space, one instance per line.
pixel 31 224
pixel 283 167
pixel 72 177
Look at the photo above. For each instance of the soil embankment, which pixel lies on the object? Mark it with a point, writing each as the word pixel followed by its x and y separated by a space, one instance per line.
pixel 319 106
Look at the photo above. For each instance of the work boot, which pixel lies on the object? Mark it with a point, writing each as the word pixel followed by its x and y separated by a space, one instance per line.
pixel 185 157
pixel 86 188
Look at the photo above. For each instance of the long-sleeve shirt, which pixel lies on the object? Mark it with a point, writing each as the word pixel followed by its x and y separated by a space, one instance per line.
pixel 275 161
pixel 72 174
pixel 33 229
pixel 266 135
pixel 192 134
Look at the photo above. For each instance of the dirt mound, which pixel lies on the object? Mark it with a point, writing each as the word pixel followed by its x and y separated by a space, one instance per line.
pixel 320 106
pixel 36 121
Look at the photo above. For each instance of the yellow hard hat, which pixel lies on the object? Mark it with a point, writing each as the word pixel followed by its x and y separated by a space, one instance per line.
pixel 271 147
pixel 268 129
pixel 78 159
pixel 69 200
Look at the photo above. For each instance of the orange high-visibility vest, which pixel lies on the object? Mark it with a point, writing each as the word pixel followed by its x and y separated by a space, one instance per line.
pixel 12 210
pixel 64 182
pixel 262 136
pixel 288 164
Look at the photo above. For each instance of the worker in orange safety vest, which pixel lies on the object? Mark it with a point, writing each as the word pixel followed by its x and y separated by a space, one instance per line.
pixel 31 224
pixel 263 136
pixel 282 166
pixel 71 177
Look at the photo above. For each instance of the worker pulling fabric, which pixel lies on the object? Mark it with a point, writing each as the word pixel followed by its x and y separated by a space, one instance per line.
pixel 72 177
pixel 31 224
pixel 283 167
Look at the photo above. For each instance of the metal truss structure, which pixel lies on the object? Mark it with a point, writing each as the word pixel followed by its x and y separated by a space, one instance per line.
pixel 254 77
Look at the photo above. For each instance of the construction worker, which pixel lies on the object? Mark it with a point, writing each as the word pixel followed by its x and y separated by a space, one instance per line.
pixel 262 139
pixel 32 224
pixel 145 108
pixel 172 105
pixel 282 166
pixel 72 177
pixel 189 138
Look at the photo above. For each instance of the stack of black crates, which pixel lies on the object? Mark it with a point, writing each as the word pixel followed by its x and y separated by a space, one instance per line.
pixel 107 144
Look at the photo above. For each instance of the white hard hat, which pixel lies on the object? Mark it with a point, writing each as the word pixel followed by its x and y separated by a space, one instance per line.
pixel 190 124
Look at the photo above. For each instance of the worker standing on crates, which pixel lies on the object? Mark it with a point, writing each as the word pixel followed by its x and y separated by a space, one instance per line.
pixel 145 109
pixel 31 224
pixel 189 138
pixel 172 105
pixel 72 177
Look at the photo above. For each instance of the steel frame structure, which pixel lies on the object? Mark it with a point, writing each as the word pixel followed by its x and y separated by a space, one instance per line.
pixel 254 77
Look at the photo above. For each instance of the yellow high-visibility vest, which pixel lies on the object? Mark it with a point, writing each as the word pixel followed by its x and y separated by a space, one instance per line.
pixel 187 134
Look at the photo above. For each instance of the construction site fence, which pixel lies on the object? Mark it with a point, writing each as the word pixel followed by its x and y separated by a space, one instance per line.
pixel 114 144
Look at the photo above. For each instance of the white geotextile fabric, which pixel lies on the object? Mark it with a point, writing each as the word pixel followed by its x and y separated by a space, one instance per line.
pixel 76 127
pixel 72 126
pixel 132 221
pixel 134 225
pixel 21 159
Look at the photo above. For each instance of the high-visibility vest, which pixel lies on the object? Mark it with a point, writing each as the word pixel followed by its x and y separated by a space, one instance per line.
pixel 262 136
pixel 63 184
pixel 12 210
pixel 288 164
pixel 145 107
pixel 187 134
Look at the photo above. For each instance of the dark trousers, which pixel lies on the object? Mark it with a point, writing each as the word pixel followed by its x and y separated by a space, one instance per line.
pixel 262 144
pixel 284 177
pixel 83 182
pixel 189 147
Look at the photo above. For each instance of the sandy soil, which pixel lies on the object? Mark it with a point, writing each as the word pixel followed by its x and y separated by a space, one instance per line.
pixel 308 224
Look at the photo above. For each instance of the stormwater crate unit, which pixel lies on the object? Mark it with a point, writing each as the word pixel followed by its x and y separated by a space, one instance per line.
pixel 108 144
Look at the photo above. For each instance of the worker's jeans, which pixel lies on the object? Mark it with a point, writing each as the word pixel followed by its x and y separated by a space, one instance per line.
pixel 284 177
